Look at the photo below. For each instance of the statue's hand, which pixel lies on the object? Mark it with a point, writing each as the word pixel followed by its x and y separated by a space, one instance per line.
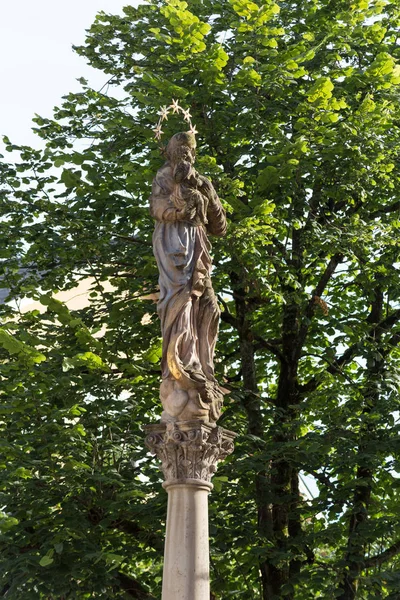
pixel 187 213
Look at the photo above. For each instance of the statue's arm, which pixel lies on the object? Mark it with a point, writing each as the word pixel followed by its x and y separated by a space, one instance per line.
pixel 215 212
pixel 161 206
pixel 161 209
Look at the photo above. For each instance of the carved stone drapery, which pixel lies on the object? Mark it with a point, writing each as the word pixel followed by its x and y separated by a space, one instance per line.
pixel 189 450
pixel 186 209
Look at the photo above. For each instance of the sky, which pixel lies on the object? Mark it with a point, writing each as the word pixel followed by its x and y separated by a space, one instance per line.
pixel 37 64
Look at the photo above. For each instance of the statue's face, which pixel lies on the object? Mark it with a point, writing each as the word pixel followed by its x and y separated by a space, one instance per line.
pixel 184 152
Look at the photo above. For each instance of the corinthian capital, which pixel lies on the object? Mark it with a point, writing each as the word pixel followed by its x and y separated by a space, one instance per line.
pixel 189 450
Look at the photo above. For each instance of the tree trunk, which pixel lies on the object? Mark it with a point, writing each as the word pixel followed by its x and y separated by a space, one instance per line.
pixel 283 475
pixel 355 555
pixel 251 401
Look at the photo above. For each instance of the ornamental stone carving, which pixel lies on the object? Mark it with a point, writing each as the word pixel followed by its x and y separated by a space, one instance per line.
pixel 186 209
pixel 189 450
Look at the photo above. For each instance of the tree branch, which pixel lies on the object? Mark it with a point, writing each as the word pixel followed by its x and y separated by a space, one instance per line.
pixel 282 249
pixel 385 210
pixel 375 331
pixel 337 363
pixel 227 317
pixel 327 274
pixel 379 559
pixel 317 293
pixel 132 240
pixel 234 378
pixel 322 478
pixel 139 533
pixel 393 341
pixel 133 587
pixel 270 345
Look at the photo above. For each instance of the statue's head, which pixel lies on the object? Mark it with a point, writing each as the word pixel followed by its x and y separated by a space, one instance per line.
pixel 182 146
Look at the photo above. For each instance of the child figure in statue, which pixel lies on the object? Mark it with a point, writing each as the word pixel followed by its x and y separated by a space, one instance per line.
pixel 186 192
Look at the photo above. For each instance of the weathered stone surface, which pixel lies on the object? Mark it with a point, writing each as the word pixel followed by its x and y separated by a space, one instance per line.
pixel 189 450
pixel 186 562
pixel 186 208
pixel 188 443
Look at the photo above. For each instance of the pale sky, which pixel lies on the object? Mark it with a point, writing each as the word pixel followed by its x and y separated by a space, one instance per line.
pixel 37 64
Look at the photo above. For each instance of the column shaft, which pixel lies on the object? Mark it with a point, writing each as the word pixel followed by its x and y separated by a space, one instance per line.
pixel 186 556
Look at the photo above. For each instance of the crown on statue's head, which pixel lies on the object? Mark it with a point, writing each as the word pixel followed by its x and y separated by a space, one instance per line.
pixel 173 108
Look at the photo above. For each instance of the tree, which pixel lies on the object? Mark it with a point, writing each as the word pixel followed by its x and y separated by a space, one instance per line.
pixel 297 107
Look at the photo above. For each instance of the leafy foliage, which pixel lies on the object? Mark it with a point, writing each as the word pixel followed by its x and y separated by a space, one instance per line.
pixel 297 105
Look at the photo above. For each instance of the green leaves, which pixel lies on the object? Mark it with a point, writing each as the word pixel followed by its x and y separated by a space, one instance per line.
pixel 153 354
pixel 297 107
pixel 268 177
pixel 69 177
pixel 382 65
pixel 45 561
pixel 321 91
pixel 188 27
pixel 22 350
pixel 253 12
pixel 91 361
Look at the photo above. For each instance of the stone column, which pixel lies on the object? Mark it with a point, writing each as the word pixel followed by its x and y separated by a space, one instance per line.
pixel 189 452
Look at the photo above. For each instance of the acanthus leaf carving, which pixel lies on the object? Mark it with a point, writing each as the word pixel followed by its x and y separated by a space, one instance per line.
pixel 190 449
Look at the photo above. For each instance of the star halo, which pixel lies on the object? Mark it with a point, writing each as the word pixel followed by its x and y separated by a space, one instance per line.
pixel 173 108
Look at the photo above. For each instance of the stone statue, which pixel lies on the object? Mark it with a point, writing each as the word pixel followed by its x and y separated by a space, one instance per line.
pixel 186 207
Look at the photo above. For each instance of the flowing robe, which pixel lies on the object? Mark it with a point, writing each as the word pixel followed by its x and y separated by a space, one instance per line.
pixel 187 306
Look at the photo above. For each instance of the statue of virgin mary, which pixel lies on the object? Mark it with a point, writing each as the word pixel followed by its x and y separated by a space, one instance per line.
pixel 186 208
